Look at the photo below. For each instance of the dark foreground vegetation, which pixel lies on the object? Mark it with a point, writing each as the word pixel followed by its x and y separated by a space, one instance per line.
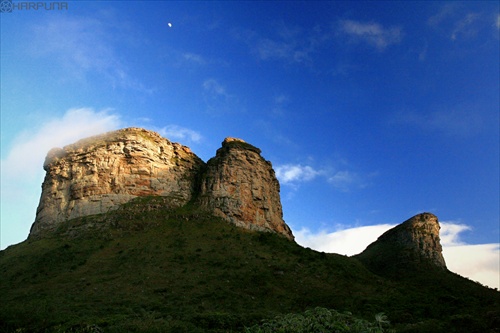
pixel 147 268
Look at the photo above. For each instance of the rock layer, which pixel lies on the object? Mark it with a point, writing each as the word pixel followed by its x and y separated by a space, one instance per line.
pixel 100 173
pixel 240 186
pixel 410 244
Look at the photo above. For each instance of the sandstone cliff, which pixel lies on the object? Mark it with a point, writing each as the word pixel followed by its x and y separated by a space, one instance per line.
pixel 240 186
pixel 413 243
pixel 100 173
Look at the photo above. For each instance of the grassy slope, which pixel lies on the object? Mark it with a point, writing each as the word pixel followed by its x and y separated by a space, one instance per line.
pixel 161 270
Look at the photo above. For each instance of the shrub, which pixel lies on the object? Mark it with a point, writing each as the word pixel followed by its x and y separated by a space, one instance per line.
pixel 320 320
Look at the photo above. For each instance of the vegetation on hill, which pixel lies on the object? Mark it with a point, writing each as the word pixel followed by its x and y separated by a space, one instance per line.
pixel 149 268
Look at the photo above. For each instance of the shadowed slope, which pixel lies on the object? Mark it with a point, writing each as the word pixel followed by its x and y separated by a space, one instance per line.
pixel 153 268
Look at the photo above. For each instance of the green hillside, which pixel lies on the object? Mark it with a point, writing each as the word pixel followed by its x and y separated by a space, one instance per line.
pixel 149 268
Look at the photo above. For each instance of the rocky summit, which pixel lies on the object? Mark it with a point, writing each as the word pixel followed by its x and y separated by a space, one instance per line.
pixel 413 243
pixel 100 173
pixel 240 186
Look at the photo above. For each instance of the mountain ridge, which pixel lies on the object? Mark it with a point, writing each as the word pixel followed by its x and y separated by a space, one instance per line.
pixel 199 261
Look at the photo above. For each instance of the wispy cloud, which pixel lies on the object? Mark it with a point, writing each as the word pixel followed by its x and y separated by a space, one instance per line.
pixel 84 45
pixel 447 10
pixel 22 168
pixel 478 262
pixel 422 55
pixel 458 121
pixel 342 180
pixel 194 58
pixel 175 132
pixel 27 154
pixel 216 97
pixel 295 173
pixel 374 34
pixel 279 104
pixel 285 43
pixel 289 50
pixel 465 26
pixel 457 22
pixel 213 87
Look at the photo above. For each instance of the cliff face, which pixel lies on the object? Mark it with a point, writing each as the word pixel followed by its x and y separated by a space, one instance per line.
pixel 100 173
pixel 410 244
pixel 240 186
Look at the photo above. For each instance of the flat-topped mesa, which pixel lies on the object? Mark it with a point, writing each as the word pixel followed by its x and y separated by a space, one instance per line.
pixel 97 174
pixel 410 244
pixel 100 173
pixel 240 186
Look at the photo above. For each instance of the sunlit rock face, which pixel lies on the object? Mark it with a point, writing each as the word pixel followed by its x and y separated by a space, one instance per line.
pixel 98 174
pixel 408 245
pixel 239 185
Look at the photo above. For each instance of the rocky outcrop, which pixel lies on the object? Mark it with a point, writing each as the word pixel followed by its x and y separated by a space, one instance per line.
pixel 239 185
pixel 413 243
pixel 100 173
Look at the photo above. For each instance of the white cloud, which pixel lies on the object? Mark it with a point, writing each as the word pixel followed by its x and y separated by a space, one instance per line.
pixel 348 241
pixel 478 262
pixel 372 33
pixel 28 152
pixel 174 132
pixel 293 173
pixel 343 180
pixel 22 169
pixel 83 45
pixel 450 233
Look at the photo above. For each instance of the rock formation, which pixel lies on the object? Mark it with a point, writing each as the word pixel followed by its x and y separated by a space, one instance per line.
pixel 413 243
pixel 100 173
pixel 240 186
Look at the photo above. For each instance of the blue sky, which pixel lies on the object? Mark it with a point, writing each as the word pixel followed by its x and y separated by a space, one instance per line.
pixel 371 112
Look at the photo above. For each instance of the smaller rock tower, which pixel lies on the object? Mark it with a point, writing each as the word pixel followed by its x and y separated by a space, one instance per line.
pixel 239 185
pixel 412 244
